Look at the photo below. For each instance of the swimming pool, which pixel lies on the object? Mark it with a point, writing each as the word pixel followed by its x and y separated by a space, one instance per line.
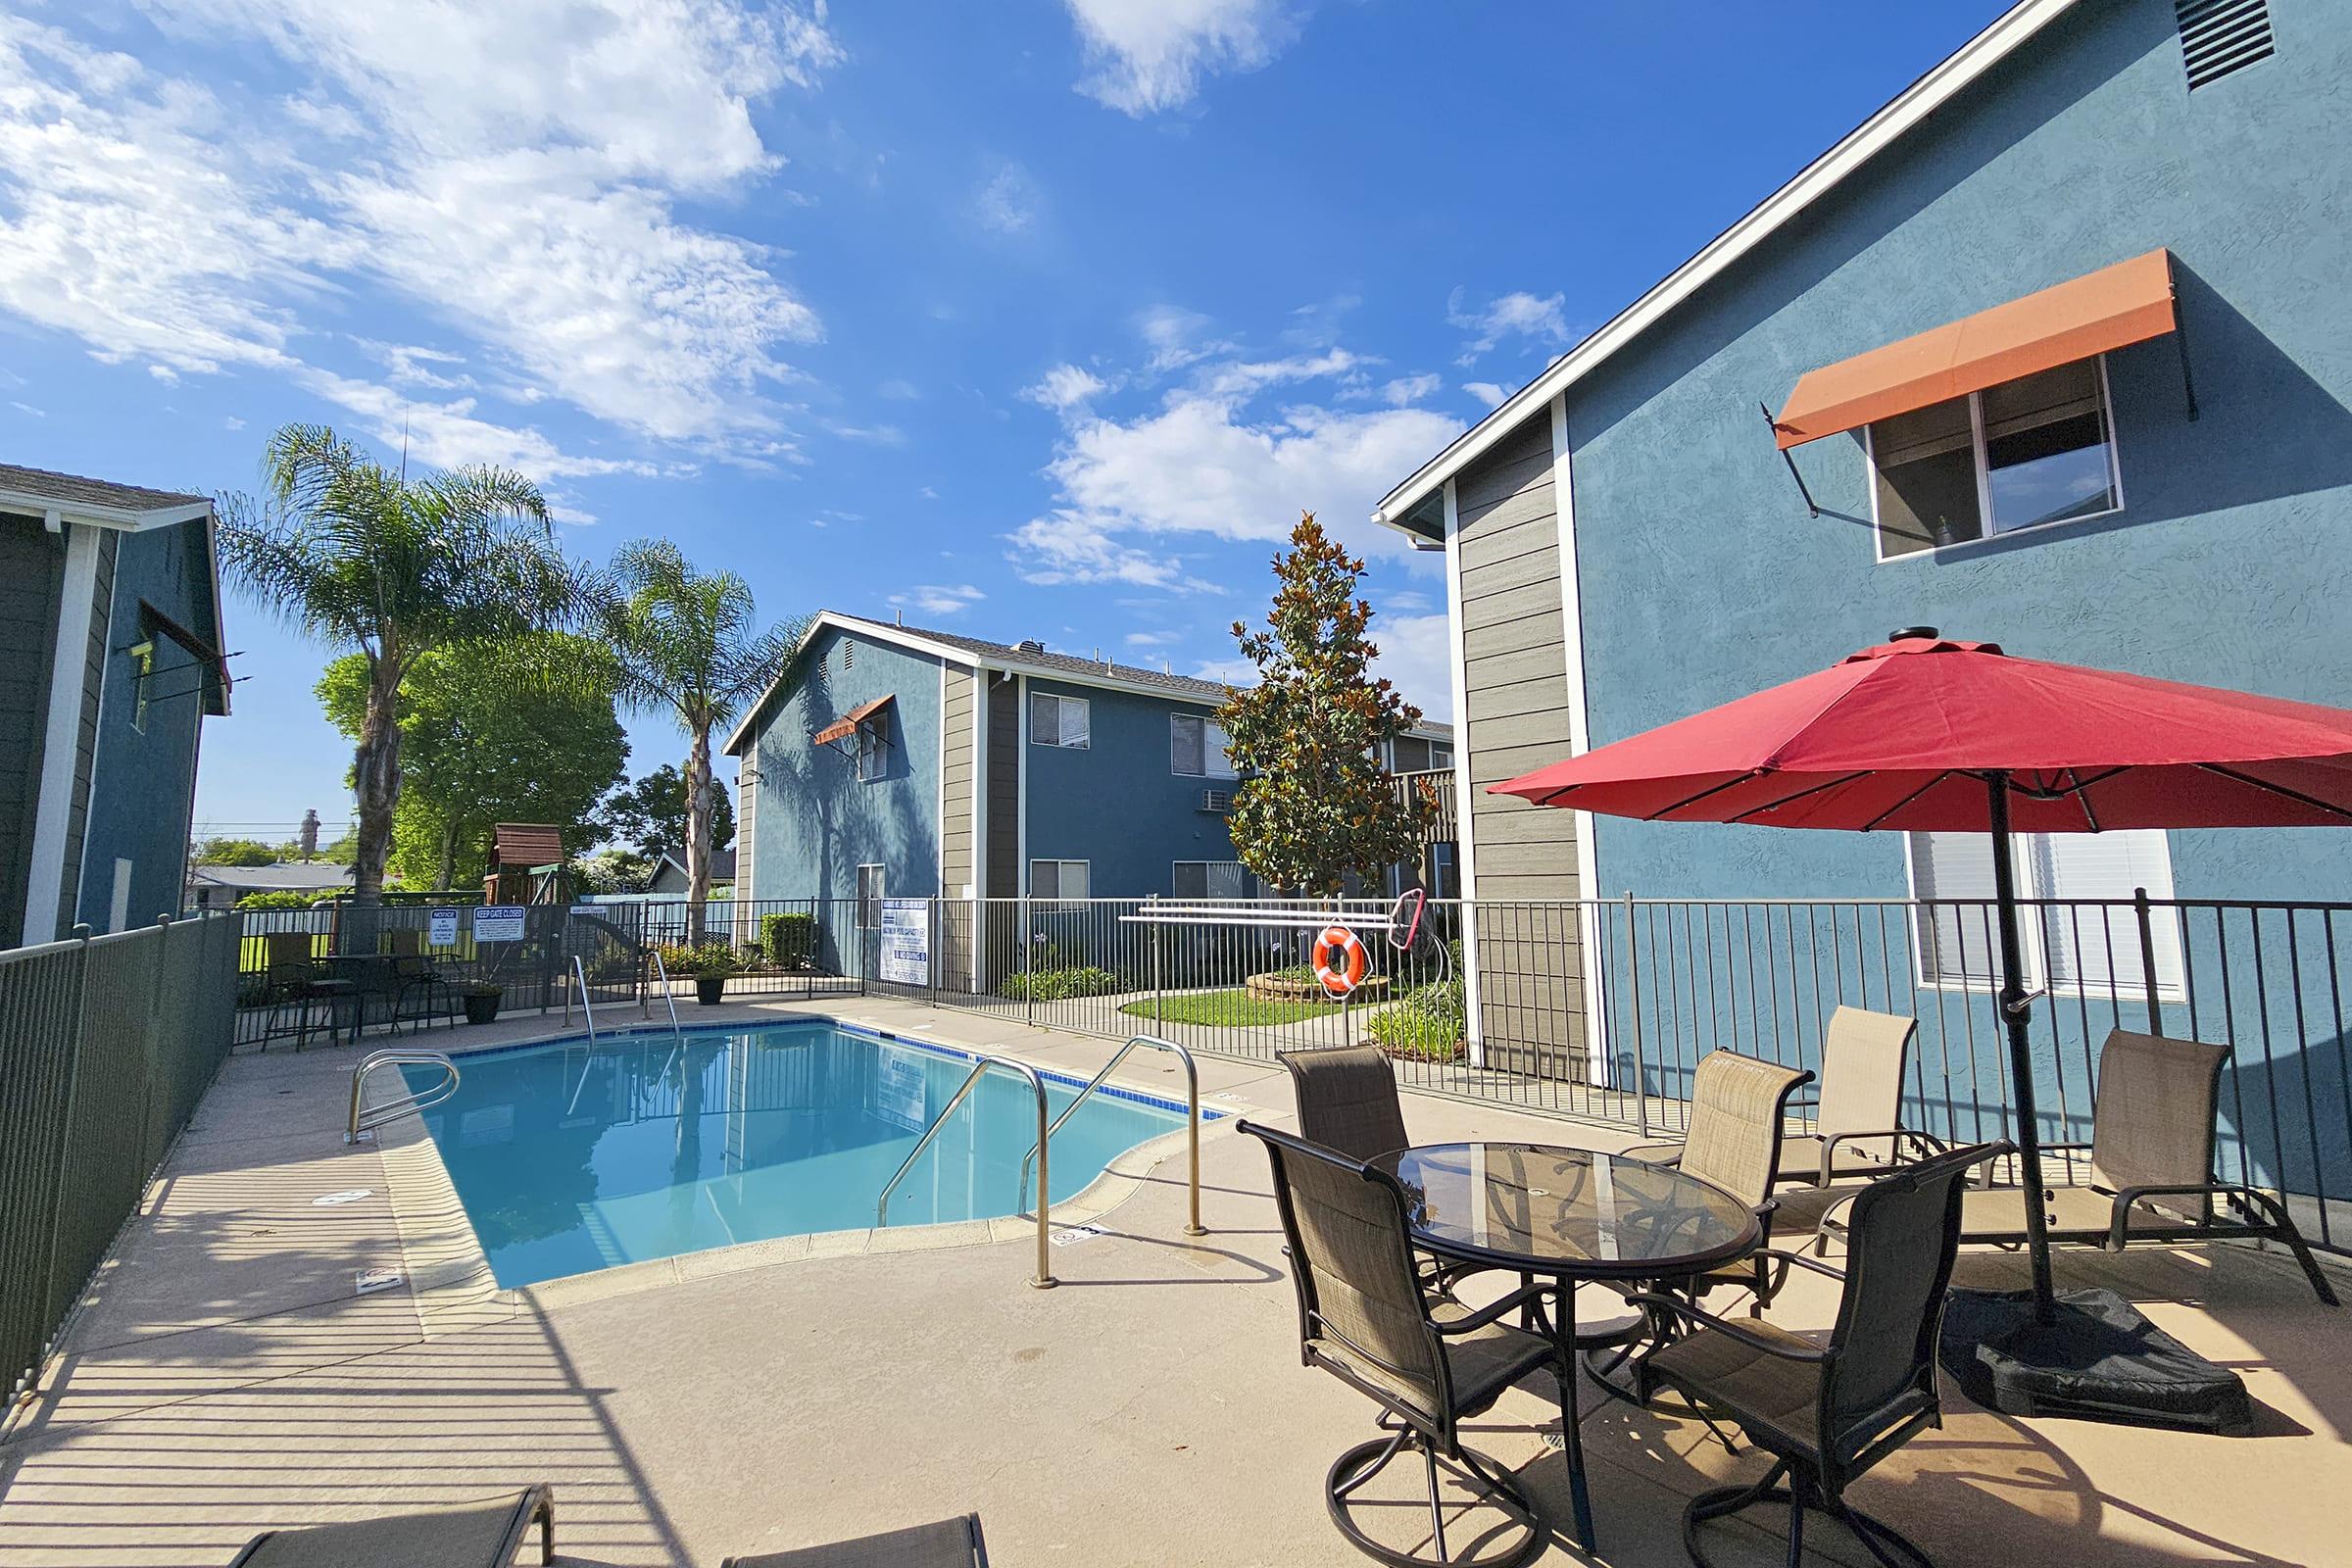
pixel 569 1158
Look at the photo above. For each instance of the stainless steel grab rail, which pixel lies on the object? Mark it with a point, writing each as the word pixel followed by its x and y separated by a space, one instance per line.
pixel 1191 1096
pixel 366 1119
pixel 662 971
pixel 1044 1280
pixel 579 972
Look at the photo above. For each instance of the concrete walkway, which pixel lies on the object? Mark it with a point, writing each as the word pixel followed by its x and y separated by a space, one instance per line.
pixel 228 1374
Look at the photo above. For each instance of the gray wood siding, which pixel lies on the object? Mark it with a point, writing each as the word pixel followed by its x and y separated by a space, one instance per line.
pixel 1004 791
pixel 957 832
pixel 1516 717
pixel 31 564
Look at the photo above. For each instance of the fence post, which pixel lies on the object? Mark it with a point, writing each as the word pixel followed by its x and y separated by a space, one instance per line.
pixel 2147 958
pixel 1156 934
pixel 1632 972
pixel 1028 976
pixel 149 1054
pixel 81 1040
pixel 933 954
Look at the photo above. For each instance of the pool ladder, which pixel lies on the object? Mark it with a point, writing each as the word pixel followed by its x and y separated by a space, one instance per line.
pixel 365 1119
pixel 1044 1278
pixel 1192 1119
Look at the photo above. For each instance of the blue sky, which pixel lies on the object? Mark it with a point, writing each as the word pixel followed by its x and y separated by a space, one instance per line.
pixel 1034 317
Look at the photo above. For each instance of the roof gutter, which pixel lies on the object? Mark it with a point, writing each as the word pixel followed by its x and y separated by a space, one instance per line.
pixel 125 519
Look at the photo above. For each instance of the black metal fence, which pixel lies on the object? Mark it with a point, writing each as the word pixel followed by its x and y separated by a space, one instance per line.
pixel 106 1046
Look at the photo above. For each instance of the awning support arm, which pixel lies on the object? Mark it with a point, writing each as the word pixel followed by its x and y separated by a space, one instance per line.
pixel 2188 386
pixel 1811 506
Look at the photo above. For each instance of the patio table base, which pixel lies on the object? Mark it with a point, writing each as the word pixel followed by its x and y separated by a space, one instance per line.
pixel 2100 1361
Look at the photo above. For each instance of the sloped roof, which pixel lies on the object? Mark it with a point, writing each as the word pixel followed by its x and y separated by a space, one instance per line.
pixel 124 503
pixel 1046 660
pixel 317 875
pixel 527 844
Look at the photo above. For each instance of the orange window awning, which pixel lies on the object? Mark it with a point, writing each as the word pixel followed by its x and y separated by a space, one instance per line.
pixel 2128 303
pixel 844 726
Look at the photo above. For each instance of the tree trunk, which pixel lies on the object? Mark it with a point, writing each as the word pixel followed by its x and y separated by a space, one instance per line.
pixel 698 833
pixel 449 854
pixel 375 783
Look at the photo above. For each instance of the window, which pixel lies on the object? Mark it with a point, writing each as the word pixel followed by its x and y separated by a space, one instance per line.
pixel 1199 748
pixel 1211 879
pixel 2030 452
pixel 1441 757
pixel 2089 940
pixel 873 748
pixel 870 898
pixel 1057 879
pixel 142 671
pixel 1057 721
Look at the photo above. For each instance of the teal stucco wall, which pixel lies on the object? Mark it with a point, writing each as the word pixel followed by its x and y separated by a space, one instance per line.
pixel 1117 805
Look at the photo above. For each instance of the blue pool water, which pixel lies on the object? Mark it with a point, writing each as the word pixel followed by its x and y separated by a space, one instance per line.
pixel 570 1158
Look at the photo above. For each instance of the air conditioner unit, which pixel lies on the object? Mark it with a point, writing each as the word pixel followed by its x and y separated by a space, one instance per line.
pixel 1219 801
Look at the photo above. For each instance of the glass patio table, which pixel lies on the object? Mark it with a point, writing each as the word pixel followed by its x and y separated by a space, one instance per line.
pixel 1568 1215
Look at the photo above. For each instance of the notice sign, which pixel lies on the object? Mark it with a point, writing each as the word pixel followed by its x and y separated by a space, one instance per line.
pixel 899 1082
pixel 498 922
pixel 906 941
pixel 441 928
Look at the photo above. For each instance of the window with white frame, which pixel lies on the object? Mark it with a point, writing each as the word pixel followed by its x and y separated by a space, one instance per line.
pixel 2037 450
pixel 1441 756
pixel 1057 879
pixel 1211 879
pixel 870 892
pixel 142 673
pixel 2086 934
pixel 1056 721
pixel 1198 746
pixel 873 747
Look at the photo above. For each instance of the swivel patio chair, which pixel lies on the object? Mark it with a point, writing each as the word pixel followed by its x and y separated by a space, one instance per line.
pixel 475 1535
pixel 1347 1099
pixel 1739 1110
pixel 1857 1118
pixel 1428 1362
pixel 1828 1411
pixel 948 1543
pixel 2151 1172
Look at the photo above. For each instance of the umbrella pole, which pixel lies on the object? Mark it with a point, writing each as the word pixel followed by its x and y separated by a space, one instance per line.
pixel 2016 1012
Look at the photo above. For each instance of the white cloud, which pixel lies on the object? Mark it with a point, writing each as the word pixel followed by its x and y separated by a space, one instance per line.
pixel 1145 56
pixel 1065 387
pixel 1176 336
pixel 1415 655
pixel 1515 315
pixel 1235 671
pixel 1410 388
pixel 938 599
pixel 509 170
pixel 410 365
pixel 1009 200
pixel 1487 392
pixel 1153 639
pixel 29 410
pixel 1069 547
pixel 926 492
pixel 232 422
pixel 1242 378
pixel 1410 602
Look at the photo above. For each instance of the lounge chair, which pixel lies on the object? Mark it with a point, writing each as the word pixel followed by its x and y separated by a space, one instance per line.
pixel 948 1543
pixel 1427 1361
pixel 1739 1110
pixel 1828 1411
pixel 2151 1175
pixel 1857 1127
pixel 475 1534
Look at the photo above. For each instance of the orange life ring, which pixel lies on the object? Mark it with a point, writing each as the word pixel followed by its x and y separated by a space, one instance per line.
pixel 1340 960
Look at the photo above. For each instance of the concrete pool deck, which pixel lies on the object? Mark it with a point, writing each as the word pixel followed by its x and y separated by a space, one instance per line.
pixel 227 1376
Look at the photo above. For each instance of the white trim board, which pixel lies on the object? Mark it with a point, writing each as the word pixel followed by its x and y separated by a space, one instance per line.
pixel 1465 821
pixel 68 660
pixel 1580 739
pixel 1972 60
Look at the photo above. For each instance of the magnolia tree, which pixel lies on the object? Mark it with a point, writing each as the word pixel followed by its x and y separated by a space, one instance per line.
pixel 1314 804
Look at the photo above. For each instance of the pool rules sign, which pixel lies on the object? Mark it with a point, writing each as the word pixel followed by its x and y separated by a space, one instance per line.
pixel 906 941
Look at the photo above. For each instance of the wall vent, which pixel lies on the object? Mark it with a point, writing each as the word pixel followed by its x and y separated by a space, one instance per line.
pixel 1219 801
pixel 2220 36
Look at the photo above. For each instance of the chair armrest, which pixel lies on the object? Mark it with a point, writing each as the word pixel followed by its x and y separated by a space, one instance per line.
pixel 1799 1260
pixel 1493 1310
pixel 1928 1143
pixel 2129 1196
pixel 1723 1325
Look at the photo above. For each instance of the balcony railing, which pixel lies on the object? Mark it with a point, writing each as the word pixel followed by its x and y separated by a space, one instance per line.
pixel 1435 781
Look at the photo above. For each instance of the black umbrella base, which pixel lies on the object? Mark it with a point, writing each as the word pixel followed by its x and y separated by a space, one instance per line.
pixel 2100 1360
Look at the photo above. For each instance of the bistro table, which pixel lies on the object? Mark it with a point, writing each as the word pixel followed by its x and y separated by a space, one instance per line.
pixel 1568 1215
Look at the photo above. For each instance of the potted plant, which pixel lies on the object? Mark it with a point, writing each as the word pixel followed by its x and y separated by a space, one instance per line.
pixel 715 963
pixel 481 1001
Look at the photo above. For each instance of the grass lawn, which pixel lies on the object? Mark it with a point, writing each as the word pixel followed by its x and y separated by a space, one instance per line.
pixel 1226 1009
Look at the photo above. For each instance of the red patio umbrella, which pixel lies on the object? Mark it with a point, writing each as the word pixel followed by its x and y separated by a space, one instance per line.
pixel 1927 734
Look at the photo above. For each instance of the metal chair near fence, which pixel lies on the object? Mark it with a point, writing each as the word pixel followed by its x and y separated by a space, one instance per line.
pixel 293 986
pixel 1739 1116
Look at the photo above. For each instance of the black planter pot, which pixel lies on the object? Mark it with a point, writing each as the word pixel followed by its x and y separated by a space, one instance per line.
pixel 710 988
pixel 482 1010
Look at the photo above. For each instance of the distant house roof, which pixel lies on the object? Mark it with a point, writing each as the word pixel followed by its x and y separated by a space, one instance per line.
pixel 321 876
pixel 77 499
pixel 527 844
pixel 671 867
pixel 1412 507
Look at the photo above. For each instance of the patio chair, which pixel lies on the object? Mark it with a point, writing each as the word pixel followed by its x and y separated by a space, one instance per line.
pixel 1828 1411
pixel 2151 1175
pixel 292 982
pixel 948 1543
pixel 1348 1100
pixel 475 1534
pixel 1738 1111
pixel 1857 1118
pixel 1428 1362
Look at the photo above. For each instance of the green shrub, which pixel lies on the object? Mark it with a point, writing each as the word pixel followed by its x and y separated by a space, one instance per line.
pixel 1061 985
pixel 711 958
pixel 1425 1026
pixel 287 900
pixel 789 938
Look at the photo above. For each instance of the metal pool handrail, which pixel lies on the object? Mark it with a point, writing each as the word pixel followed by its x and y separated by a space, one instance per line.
pixel 1044 1280
pixel 662 970
pixel 1191 1120
pixel 579 972
pixel 374 1116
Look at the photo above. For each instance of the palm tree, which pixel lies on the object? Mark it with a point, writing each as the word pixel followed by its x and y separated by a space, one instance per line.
pixel 363 559
pixel 688 644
